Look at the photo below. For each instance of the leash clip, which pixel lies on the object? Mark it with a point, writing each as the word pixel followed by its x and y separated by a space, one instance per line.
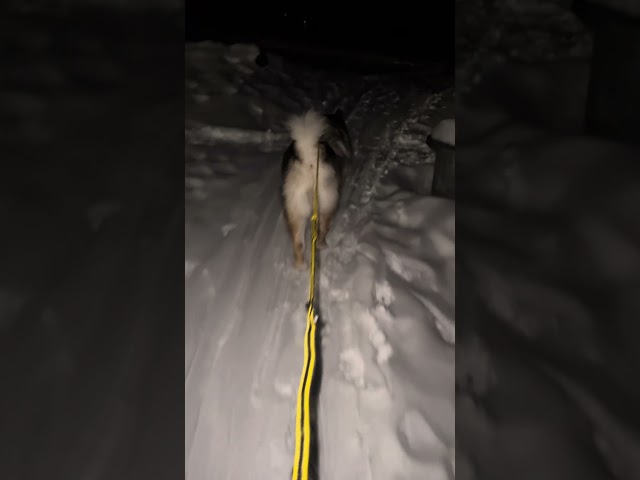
pixel 315 315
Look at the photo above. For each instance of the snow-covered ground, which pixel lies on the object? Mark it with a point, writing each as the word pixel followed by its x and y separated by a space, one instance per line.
pixel 91 249
pixel 386 405
pixel 547 262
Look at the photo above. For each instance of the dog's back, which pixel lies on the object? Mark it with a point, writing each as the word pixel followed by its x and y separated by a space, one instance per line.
pixel 333 136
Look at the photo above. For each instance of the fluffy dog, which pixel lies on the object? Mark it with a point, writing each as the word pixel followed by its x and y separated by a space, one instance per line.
pixel 314 135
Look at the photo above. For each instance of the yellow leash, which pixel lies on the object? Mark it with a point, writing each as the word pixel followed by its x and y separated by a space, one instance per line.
pixel 303 421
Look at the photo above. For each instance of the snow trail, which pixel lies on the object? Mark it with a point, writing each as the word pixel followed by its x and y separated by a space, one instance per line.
pixel 386 279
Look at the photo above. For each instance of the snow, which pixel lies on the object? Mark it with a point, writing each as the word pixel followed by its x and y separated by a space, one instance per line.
pixel 547 364
pixel 387 278
pixel 91 247
pixel 629 7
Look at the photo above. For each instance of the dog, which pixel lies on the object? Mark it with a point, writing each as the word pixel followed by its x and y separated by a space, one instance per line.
pixel 313 135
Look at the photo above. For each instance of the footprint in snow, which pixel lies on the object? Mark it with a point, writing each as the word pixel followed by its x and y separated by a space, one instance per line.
pixel 384 293
pixel 352 367
pixel 418 438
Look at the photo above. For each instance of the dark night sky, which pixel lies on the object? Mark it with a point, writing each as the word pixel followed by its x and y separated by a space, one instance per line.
pixel 387 28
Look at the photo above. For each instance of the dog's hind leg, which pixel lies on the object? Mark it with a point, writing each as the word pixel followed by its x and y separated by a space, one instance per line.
pixel 296 226
pixel 323 227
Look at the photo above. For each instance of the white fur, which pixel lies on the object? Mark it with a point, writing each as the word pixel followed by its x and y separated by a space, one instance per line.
pixel 306 130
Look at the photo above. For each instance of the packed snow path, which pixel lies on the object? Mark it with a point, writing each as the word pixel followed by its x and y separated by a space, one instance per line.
pixel 387 281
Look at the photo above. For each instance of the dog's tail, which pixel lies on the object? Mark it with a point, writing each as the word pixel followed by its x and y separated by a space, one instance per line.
pixel 306 130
